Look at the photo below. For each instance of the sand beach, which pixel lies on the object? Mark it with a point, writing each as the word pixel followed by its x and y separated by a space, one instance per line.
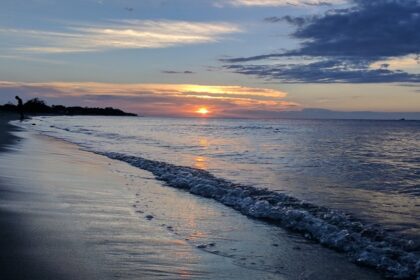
pixel 72 214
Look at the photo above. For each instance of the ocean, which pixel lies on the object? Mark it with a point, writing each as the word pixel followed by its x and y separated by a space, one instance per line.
pixel 347 184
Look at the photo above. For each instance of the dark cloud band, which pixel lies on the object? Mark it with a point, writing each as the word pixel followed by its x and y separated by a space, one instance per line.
pixel 345 42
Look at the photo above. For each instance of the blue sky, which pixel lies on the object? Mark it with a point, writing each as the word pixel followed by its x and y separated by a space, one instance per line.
pixel 174 56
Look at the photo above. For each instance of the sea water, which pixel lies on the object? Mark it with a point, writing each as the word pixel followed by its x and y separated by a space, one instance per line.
pixel 348 184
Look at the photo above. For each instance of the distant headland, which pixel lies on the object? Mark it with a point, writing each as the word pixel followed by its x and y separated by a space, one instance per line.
pixel 37 106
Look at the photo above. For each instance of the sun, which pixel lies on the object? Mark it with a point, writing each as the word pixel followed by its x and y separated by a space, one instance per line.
pixel 202 111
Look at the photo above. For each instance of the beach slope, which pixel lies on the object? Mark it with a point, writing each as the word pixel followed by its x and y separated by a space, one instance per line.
pixel 71 214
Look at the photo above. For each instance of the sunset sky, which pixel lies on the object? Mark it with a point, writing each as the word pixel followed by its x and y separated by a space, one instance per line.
pixel 234 57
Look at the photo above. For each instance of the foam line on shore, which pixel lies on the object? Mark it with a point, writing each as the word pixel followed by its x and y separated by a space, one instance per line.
pixel 365 244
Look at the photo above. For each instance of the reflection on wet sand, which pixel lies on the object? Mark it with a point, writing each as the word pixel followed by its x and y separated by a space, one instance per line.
pixel 142 229
pixel 338 166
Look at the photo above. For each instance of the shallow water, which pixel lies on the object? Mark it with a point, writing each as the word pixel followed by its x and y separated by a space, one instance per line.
pixel 367 168
pixel 99 207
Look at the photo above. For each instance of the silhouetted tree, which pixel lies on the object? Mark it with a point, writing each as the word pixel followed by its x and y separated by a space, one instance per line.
pixel 36 106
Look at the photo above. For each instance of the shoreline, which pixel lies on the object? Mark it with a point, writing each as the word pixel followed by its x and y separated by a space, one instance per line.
pixel 6 136
pixel 132 229
pixel 31 246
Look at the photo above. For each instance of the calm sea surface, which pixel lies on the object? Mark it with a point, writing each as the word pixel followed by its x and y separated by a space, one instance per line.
pixel 370 169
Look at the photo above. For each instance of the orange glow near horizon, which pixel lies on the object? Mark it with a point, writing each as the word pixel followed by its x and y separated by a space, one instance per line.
pixel 203 111
pixel 172 100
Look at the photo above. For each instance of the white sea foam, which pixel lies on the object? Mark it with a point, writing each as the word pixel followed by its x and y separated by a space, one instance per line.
pixel 365 244
pixel 394 169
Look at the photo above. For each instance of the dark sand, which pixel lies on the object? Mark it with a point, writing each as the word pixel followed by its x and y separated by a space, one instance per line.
pixel 6 138
pixel 11 260
pixel 70 214
pixel 35 246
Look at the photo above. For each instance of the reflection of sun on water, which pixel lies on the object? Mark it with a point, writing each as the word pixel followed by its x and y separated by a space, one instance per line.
pixel 203 142
pixel 200 162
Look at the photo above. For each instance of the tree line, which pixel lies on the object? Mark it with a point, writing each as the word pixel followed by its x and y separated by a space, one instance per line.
pixel 37 106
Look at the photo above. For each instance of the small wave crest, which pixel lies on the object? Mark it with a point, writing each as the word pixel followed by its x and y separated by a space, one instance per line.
pixel 366 244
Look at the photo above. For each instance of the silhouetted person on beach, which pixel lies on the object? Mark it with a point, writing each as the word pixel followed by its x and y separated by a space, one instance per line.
pixel 20 107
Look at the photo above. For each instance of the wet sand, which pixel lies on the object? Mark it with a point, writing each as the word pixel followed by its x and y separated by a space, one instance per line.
pixel 33 245
pixel 70 214
pixel 6 136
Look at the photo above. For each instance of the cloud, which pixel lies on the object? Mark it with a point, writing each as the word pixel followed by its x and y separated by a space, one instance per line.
pixel 326 71
pixel 33 59
pixel 273 3
pixel 299 21
pixel 122 34
pixel 372 29
pixel 177 72
pixel 153 99
pixel 346 44
pixel 395 63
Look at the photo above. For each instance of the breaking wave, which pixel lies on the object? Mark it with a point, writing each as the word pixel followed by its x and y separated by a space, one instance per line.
pixel 366 244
